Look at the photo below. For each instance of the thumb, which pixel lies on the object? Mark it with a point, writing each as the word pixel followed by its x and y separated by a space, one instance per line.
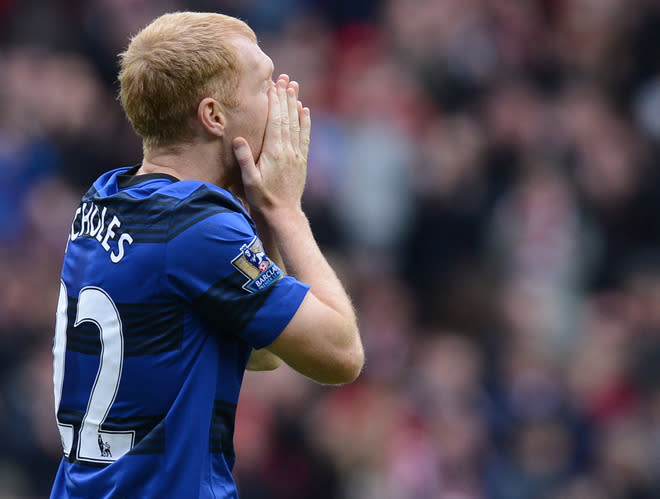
pixel 243 153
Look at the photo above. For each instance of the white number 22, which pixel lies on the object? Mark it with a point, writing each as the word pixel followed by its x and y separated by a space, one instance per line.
pixel 94 444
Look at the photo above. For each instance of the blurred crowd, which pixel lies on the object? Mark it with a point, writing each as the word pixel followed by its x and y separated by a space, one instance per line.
pixel 484 176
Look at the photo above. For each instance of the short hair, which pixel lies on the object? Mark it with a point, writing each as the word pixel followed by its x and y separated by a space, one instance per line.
pixel 171 65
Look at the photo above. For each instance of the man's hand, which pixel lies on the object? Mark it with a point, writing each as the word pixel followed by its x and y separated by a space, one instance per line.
pixel 322 340
pixel 276 183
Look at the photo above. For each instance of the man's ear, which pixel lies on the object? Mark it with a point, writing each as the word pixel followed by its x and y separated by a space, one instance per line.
pixel 211 116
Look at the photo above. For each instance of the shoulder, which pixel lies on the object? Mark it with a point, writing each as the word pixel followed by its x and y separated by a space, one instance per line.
pixel 160 208
pixel 196 195
pixel 204 207
pixel 163 190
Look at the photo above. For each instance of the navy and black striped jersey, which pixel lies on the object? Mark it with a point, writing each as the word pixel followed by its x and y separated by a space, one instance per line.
pixel 165 291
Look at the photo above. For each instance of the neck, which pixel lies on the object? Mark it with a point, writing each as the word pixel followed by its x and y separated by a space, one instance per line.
pixel 189 162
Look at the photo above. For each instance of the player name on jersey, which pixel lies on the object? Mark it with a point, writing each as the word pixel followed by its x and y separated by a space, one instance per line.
pixel 92 222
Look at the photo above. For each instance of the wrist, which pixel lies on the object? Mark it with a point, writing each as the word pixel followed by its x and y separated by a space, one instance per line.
pixel 276 216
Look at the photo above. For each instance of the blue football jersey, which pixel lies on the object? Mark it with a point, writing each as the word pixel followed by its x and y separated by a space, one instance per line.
pixel 165 291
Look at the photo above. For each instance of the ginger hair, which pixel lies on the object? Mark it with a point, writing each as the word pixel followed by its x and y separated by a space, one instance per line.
pixel 171 65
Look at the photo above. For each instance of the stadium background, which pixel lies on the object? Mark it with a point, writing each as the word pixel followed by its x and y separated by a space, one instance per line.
pixel 484 175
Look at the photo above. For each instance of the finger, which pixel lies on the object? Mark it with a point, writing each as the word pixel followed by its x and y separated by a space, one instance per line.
pixel 294 121
pixel 249 172
pixel 305 130
pixel 285 78
pixel 296 87
pixel 284 110
pixel 273 132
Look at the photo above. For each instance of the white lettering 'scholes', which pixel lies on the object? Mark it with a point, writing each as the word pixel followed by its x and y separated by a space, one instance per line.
pixel 92 225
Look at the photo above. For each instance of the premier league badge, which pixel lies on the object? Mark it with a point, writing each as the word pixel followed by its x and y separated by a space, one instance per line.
pixel 253 263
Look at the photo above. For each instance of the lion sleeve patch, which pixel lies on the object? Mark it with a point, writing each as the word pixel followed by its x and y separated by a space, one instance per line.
pixel 255 265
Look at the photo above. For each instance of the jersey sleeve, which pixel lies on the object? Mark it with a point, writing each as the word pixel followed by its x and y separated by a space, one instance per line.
pixel 219 266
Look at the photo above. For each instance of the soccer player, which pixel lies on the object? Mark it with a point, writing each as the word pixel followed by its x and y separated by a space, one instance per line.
pixel 181 271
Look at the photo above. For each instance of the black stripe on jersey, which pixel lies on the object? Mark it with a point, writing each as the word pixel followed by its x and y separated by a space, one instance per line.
pixel 153 442
pixel 151 328
pixel 148 328
pixel 221 436
pixel 200 205
pixel 69 417
pixel 130 178
pixel 146 221
pixel 149 432
pixel 160 217
pixel 141 424
pixel 228 306
pixel 84 338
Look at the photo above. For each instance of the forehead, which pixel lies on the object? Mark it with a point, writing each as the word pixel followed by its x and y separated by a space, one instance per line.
pixel 253 60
